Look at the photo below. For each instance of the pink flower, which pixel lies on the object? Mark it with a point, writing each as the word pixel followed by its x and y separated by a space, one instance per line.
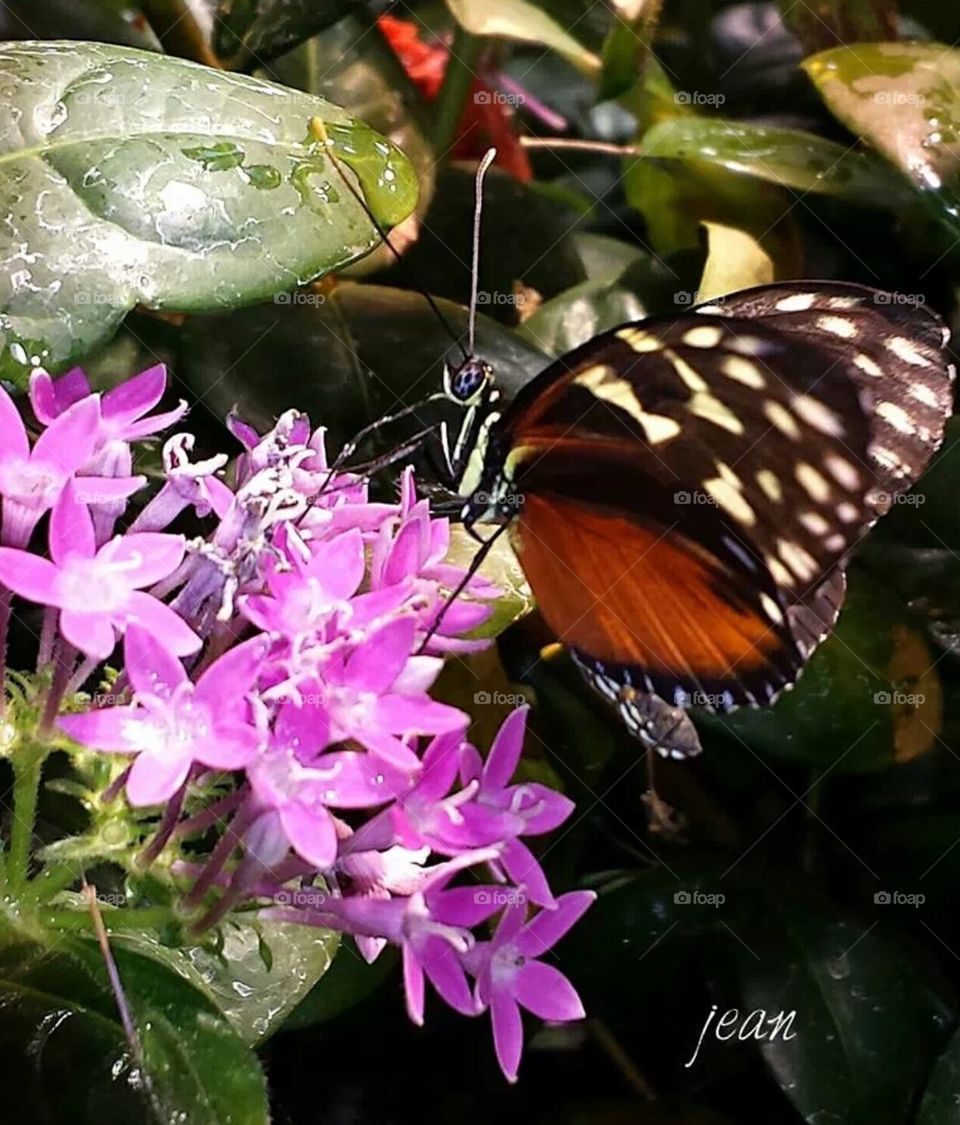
pixel 99 592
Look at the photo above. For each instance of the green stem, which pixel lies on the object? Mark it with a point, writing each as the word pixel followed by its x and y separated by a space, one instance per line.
pixel 457 83
pixel 147 918
pixel 28 762
pixel 54 878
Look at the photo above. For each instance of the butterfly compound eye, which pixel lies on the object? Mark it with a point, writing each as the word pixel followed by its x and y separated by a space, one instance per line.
pixel 465 382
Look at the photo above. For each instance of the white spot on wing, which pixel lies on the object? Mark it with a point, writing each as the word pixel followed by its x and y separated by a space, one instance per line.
pixel 838 326
pixel 796 302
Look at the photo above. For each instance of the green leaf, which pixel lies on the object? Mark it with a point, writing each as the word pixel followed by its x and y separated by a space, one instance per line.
pixel 942 1095
pixel 840 21
pixel 792 158
pixel 144 179
pixel 254 992
pixel 869 698
pixel 735 260
pixel 352 64
pixel 106 21
pixel 866 1024
pixel 903 99
pixel 263 29
pixel 502 568
pixel 517 19
pixel 61 1026
pixel 345 357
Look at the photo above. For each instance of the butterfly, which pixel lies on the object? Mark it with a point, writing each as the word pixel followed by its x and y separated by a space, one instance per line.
pixel 683 493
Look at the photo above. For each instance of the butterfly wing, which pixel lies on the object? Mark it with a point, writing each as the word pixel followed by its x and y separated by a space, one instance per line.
pixel 692 486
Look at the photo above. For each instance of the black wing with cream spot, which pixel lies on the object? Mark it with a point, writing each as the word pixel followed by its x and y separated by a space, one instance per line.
pixel 898 354
pixel 760 437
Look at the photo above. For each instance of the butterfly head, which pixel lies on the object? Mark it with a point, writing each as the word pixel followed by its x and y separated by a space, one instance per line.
pixel 467 382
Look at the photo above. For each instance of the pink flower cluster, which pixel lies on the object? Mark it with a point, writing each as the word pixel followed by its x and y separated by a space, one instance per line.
pixel 292 647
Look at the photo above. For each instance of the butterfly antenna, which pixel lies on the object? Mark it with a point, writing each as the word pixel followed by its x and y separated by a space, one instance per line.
pixel 488 159
pixel 319 130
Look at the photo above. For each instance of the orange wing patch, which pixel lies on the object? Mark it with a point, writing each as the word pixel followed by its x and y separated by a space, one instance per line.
pixel 624 592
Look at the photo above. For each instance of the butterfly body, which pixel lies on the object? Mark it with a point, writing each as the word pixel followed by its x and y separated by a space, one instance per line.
pixel 683 492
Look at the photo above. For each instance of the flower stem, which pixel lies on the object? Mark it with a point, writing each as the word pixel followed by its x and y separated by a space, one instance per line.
pixel 54 878
pixel 27 767
pixel 458 80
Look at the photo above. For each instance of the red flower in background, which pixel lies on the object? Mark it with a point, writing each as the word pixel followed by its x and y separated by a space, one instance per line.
pixel 487 120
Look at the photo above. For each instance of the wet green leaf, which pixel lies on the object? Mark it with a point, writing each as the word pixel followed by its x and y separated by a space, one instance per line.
pixel 792 158
pixel 62 1033
pixel 257 976
pixel 518 19
pixel 903 100
pixel 866 1025
pixel 131 185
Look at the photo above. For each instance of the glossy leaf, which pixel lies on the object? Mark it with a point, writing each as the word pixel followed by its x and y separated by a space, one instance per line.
pixel 262 29
pixel 59 1009
pixel 346 358
pixel 903 100
pixel 519 19
pixel 254 995
pixel 866 1025
pixel 870 697
pixel 792 158
pixel 144 179
pixel 734 261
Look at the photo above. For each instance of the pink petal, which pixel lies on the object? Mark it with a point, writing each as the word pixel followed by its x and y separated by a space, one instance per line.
pixel 404 714
pixel 549 926
pixel 155 424
pixel 92 633
pixel 134 397
pixel 146 556
pixel 69 441
pixel 403 558
pixel 545 991
pixel 71 528
pixel 442 966
pixel 440 764
pixel 339 564
pixel 98 491
pixel 358 781
pixel 49 398
pixel 311 833
pixel 231 747
pixel 507 1033
pixel 506 749
pixel 543 809
pixel 109 728
pixel 522 867
pixel 152 669
pixel 413 985
pixel 391 750
pixel 374 665
pixel 153 781
pixel 29 576
pixel 234 673
pixel 13 433
pixel 418 675
pixel 162 621
pixel 466 906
